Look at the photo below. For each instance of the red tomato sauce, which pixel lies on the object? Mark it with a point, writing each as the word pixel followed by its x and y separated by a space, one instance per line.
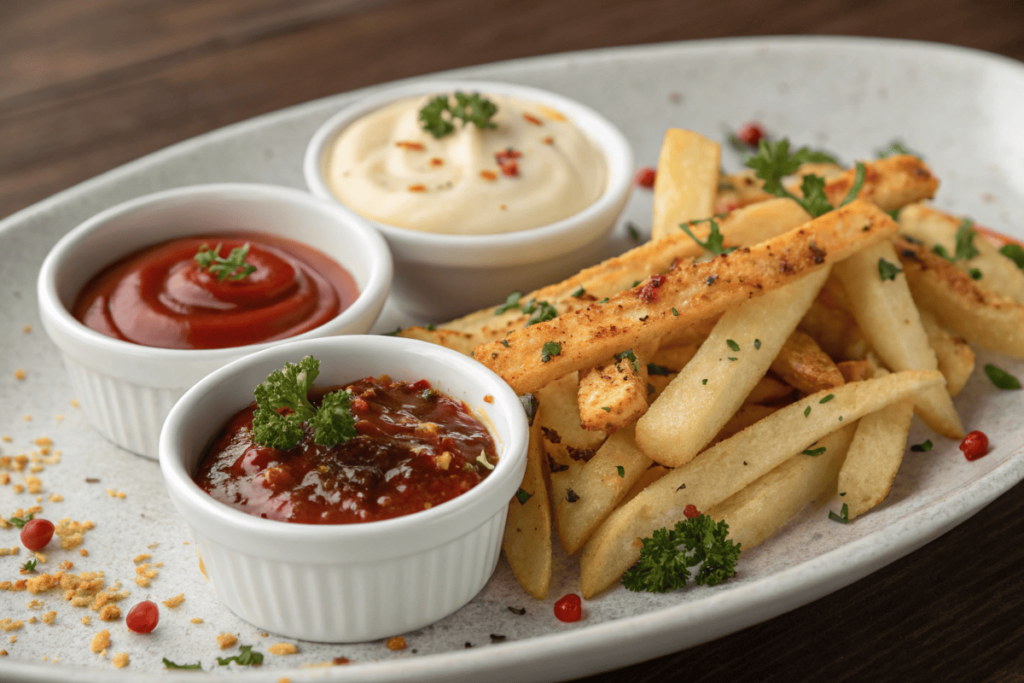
pixel 415 448
pixel 160 297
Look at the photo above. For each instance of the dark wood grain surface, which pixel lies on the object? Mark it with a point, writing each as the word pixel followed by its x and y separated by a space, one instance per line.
pixel 87 85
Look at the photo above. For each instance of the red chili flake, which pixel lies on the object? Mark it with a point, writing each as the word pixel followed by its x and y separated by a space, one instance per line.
pixel 511 169
pixel 974 445
pixel 691 511
pixel 751 134
pixel 411 146
pixel 436 161
pixel 417 188
pixel 340 661
pixel 645 177
pixel 532 119
pixel 548 140
pixel 488 175
pixel 569 608
pixel 506 161
pixel 648 293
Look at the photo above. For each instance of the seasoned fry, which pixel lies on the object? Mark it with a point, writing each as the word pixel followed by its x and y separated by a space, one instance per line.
pixel 599 487
pixel 584 337
pixel 687 180
pixel 758 511
pixel 676 357
pixel 653 474
pixel 889 320
pixel 981 317
pixel 712 386
pixel 463 342
pixel 614 393
pixel 527 540
pixel 726 468
pixel 956 358
pixel 747 415
pixel 935 228
pixel 769 389
pixel 803 364
pixel 560 422
pixel 855 370
pixel 835 330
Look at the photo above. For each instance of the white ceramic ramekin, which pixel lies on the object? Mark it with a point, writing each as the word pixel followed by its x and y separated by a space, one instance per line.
pixel 347 582
pixel 127 390
pixel 442 276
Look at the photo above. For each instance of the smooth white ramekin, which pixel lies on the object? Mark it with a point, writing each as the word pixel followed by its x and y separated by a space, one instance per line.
pixel 126 389
pixel 347 582
pixel 441 276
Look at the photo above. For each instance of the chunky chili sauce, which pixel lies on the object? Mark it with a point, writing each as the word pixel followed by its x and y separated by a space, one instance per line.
pixel 414 448
pixel 161 297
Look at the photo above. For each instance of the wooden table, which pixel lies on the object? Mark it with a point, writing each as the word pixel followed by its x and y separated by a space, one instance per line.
pixel 86 86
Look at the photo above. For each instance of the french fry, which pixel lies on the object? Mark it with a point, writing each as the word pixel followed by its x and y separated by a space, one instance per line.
pixel 982 317
pixel 835 330
pixel 956 358
pixel 724 469
pixel 761 509
pixel 935 228
pixel 803 364
pixel 676 357
pixel 880 300
pixel 687 180
pixel 653 474
pixel 566 443
pixel 527 540
pixel 581 338
pixel 746 416
pixel 598 488
pixel 614 393
pixel 769 389
pixel 463 342
pixel 855 370
pixel 712 386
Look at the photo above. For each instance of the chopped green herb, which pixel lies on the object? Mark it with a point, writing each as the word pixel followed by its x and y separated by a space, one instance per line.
pixel 714 241
pixel 246 658
pixel 974 273
pixel 659 370
pixel 887 271
pixel 703 381
pixel 1001 378
pixel 468 108
pixel 965 249
pixel 549 350
pixel 922 447
pixel 393 333
pixel 941 251
pixel 621 470
pixel 858 182
pixel 635 283
pixel 168 664
pixel 827 398
pixel 332 423
pixel 522 496
pixel 231 268
pixel 504 342
pixel 815 451
pixel 20 522
pixel 606 409
pixel 895 147
pixel 431 327
pixel 815 201
pixel 773 162
pixel 667 556
pixel 542 311
pixel 733 358
pixel 630 356
pixel 603 301
pixel 807 411
pixel 894 214
pixel 757 344
pixel 732 345
pixel 511 303
pixel 1014 252
pixel 29 566
pixel 843 517
pixel 579 292
pixel 675 312
pixel 633 232
pixel 843 493
pixel 530 404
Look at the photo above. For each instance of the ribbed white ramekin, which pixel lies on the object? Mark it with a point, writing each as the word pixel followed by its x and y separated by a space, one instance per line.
pixel 441 276
pixel 126 389
pixel 347 582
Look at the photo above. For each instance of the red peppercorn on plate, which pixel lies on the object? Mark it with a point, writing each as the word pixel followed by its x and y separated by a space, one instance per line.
pixel 111 514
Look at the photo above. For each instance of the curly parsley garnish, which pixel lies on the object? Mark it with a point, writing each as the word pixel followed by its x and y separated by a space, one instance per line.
pixel 539 311
pixel 511 303
pixel 20 522
pixel 332 423
pixel 473 109
pixel 28 567
pixel 246 658
pixel 168 664
pixel 667 557
pixel 714 241
pixel 887 271
pixel 232 268
pixel 773 162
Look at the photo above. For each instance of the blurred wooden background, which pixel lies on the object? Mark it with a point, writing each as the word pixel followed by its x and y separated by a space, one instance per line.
pixel 87 85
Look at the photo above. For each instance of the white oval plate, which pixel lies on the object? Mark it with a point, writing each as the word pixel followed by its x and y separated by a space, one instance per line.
pixel 959 108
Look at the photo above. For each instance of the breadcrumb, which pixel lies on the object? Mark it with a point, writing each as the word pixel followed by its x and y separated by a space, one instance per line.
pixel 143 574
pixel 43 441
pixel 100 641
pixel 18 488
pixel 13 550
pixel 5 478
pixel 26 329
pixel 71 533
pixel 113 493
pixel 56 498
pixel 120 660
pixel 49 617
pixel 282 649
pixel 396 643
pixel 34 484
pixel 66 565
pixel 9 625
pixel 226 640
pixel 86 620
pixel 175 601
pixel 6 439
pixel 141 558
pixel 110 613
pixel 35 603
pixel 83 552
pixel 75 403
pixel 196 620
pixel 19 374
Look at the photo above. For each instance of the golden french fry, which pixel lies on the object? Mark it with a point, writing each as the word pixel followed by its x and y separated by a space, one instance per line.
pixel 531 357
pixel 463 342
pixel 834 329
pixel 933 227
pixel 761 509
pixel 956 359
pixel 855 370
pixel 676 357
pixel 880 300
pixel 803 364
pixel 687 180
pixel 614 393
pixel 653 474
pixel 560 423
pixel 746 416
pixel 769 389
pixel 598 487
pixel 712 386
pixel 724 469
pixel 980 316
pixel 527 540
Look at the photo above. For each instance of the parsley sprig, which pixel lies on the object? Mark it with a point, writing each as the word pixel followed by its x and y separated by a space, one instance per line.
pixel 332 423
pixel 714 242
pixel 473 109
pixel 246 658
pixel 20 522
pixel 168 664
pixel 773 162
pixel 232 268
pixel 667 557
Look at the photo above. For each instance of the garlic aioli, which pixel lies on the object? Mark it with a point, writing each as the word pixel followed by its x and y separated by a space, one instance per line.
pixel 535 167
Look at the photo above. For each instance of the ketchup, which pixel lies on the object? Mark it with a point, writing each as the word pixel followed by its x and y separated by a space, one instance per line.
pixel 160 296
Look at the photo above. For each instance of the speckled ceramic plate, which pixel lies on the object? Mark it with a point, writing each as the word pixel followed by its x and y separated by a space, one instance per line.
pixel 961 109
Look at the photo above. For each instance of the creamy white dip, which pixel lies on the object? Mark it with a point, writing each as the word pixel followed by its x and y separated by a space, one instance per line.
pixel 385 167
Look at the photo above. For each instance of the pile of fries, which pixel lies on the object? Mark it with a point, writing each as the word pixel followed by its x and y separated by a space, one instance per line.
pixel 746 383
